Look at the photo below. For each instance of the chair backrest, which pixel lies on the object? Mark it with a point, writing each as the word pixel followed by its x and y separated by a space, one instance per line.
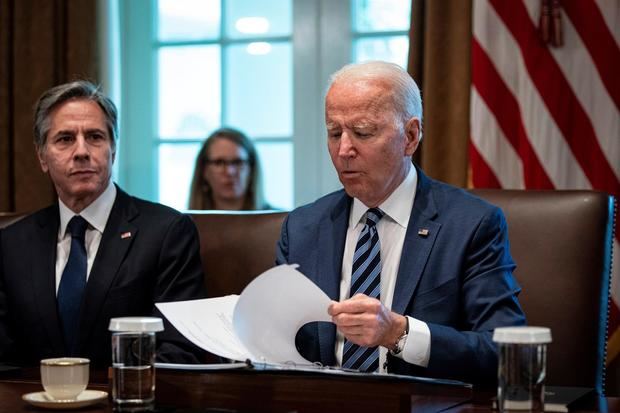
pixel 561 242
pixel 7 218
pixel 235 247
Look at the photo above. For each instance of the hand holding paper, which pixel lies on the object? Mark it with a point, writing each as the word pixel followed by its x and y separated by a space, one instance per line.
pixel 260 324
pixel 365 321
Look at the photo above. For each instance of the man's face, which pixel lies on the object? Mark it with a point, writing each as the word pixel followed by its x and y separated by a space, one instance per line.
pixel 78 152
pixel 369 144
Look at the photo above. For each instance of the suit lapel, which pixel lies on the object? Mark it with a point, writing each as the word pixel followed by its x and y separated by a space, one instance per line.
pixel 332 236
pixel 116 240
pixel 421 234
pixel 43 275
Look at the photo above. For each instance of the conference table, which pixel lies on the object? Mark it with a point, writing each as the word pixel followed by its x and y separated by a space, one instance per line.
pixel 252 390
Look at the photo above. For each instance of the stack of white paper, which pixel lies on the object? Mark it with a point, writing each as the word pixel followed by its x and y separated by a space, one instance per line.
pixel 260 324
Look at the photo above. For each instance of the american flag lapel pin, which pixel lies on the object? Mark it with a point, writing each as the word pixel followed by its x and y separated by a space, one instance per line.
pixel 126 235
pixel 423 232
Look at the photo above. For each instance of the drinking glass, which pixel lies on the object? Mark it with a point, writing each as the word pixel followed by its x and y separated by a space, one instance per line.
pixel 522 368
pixel 133 359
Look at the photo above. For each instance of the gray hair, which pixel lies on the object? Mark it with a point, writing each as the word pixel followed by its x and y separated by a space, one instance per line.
pixel 405 93
pixel 80 89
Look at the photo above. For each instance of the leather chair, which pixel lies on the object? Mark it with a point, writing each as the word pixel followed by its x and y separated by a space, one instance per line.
pixel 236 247
pixel 561 242
pixel 7 218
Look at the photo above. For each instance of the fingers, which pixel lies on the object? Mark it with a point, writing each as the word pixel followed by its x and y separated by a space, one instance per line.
pixel 362 319
pixel 362 329
pixel 330 309
pixel 359 303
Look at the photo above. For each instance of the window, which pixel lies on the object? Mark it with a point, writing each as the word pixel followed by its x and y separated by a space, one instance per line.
pixel 189 67
pixel 380 30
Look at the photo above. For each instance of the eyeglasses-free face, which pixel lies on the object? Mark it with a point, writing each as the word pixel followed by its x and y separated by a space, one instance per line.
pixel 78 152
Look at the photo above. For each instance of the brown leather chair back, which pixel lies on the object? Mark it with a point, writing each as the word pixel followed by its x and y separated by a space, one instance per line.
pixel 7 218
pixel 561 242
pixel 236 247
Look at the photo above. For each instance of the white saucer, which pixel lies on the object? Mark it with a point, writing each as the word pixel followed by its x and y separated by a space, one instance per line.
pixel 86 398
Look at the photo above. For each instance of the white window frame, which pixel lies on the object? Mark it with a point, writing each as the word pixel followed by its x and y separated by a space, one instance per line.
pixel 322 43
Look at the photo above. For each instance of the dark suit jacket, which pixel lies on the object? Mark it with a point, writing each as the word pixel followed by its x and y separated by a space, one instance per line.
pixel 457 279
pixel 160 261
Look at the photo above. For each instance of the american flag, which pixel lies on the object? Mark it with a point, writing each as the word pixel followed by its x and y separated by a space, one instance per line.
pixel 545 103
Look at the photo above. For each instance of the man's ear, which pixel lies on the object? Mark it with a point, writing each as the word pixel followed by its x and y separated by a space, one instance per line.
pixel 413 133
pixel 41 155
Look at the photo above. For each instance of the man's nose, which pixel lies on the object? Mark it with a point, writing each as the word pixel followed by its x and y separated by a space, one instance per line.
pixel 346 149
pixel 81 147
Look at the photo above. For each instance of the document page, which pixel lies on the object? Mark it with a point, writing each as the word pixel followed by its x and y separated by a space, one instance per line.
pixel 260 324
pixel 272 308
pixel 208 324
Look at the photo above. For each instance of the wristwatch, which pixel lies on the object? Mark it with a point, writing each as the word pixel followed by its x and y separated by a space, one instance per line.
pixel 400 343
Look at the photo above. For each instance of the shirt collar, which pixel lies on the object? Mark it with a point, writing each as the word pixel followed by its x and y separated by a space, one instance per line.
pixel 397 206
pixel 96 214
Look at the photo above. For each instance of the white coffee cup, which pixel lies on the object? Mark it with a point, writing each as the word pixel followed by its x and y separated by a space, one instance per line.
pixel 64 378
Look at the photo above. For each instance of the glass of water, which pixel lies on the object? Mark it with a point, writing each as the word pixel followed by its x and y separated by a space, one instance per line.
pixel 522 368
pixel 133 359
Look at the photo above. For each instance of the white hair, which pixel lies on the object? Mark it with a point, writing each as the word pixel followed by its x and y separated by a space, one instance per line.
pixel 406 95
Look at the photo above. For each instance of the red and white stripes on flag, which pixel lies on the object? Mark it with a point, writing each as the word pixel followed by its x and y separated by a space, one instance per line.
pixel 546 117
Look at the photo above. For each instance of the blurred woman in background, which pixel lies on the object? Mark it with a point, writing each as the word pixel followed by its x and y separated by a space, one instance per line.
pixel 227 174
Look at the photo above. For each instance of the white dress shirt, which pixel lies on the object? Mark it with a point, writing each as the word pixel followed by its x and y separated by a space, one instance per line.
pixel 391 229
pixel 96 214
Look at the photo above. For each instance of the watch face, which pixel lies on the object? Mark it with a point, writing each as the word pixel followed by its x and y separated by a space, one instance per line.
pixel 400 344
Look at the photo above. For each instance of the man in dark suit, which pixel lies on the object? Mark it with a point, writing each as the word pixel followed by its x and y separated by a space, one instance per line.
pixel 420 272
pixel 97 253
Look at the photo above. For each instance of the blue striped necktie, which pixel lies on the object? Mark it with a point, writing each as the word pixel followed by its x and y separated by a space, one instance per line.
pixel 365 279
pixel 73 282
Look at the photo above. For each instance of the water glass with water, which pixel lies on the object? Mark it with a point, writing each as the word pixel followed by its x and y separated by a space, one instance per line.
pixel 133 359
pixel 522 368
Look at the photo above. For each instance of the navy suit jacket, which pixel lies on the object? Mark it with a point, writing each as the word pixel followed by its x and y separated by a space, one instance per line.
pixel 160 261
pixel 457 278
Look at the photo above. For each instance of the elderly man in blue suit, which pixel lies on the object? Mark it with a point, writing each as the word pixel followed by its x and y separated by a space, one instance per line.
pixel 420 272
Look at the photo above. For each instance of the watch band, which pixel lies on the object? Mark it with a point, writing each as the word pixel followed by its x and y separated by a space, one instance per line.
pixel 400 342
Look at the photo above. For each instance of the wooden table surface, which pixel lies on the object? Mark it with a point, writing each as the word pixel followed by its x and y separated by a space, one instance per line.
pixel 263 391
